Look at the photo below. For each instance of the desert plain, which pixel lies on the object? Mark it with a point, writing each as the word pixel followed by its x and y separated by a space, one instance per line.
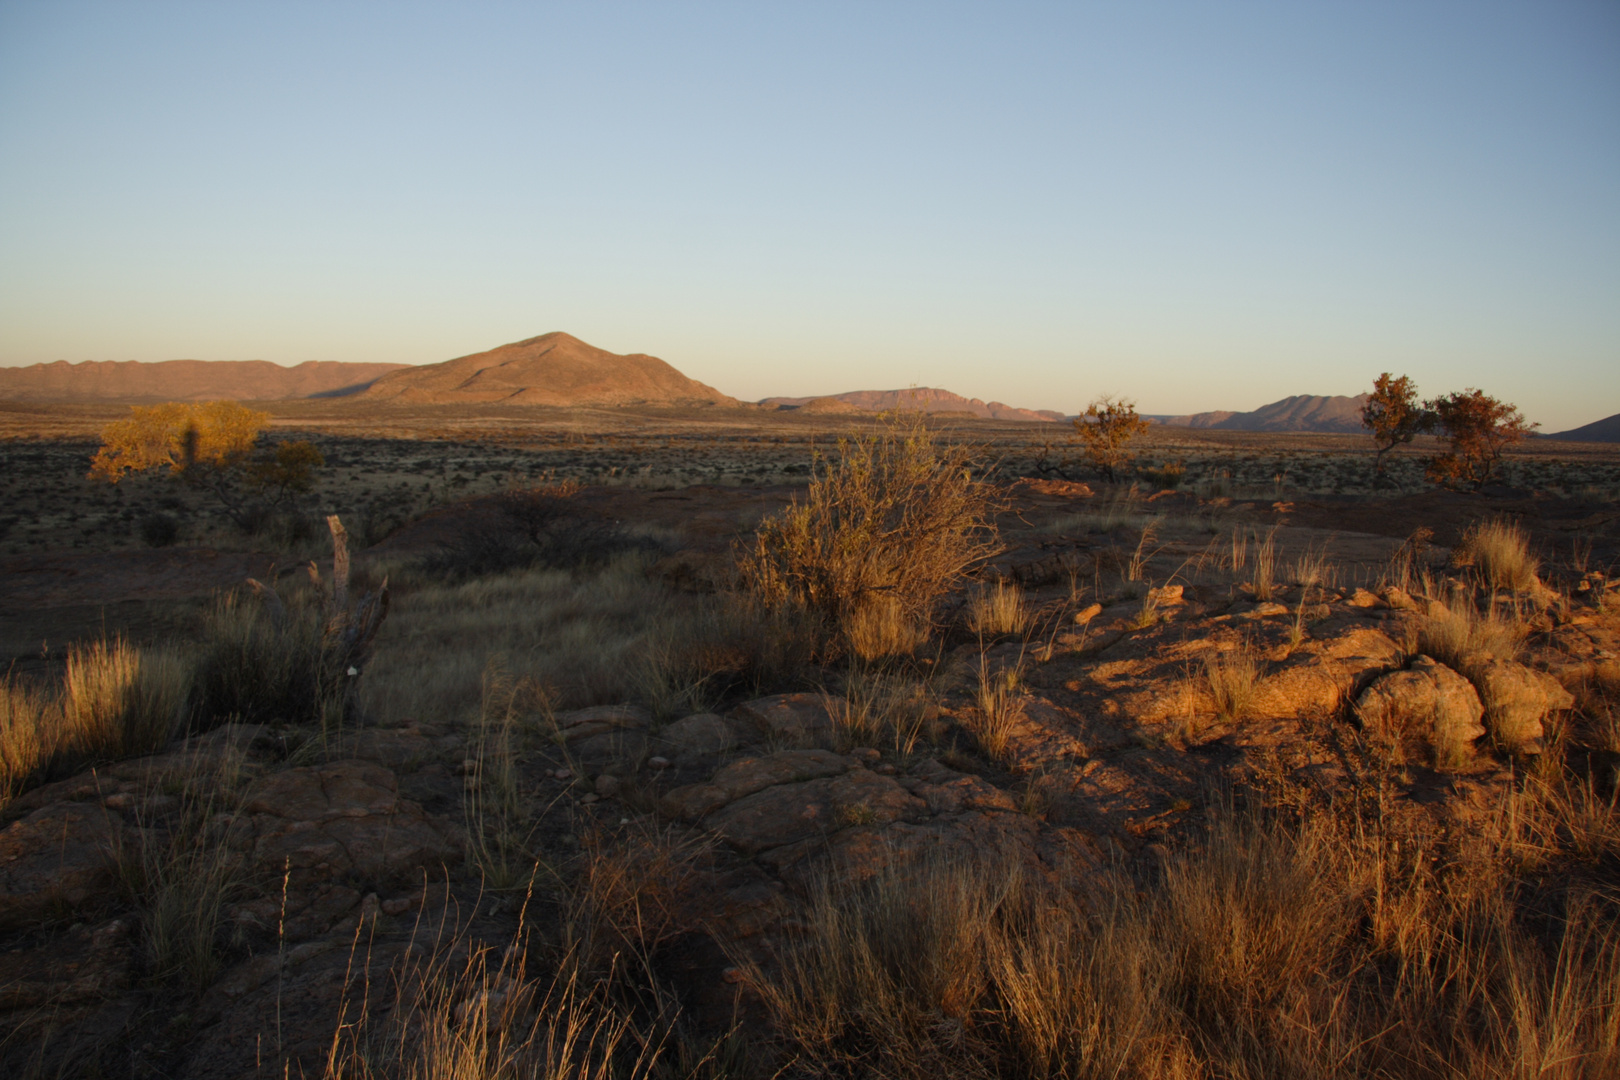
pixel 1238 765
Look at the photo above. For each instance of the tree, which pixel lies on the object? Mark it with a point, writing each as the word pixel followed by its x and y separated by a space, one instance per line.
pixel 212 446
pixel 1106 431
pixel 1394 416
pixel 1479 428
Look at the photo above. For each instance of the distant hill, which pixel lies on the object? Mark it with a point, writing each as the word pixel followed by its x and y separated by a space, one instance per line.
pixel 922 398
pixel 1302 412
pixel 1605 430
pixel 134 382
pixel 552 369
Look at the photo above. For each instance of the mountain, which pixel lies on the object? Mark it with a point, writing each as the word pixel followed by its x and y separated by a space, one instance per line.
pixel 1605 430
pixel 1302 412
pixel 131 381
pixel 922 398
pixel 552 369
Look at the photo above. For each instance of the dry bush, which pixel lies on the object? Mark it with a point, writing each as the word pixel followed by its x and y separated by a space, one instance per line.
pixel 1232 679
pixel 999 610
pixel 115 701
pixel 1267 950
pixel 626 899
pixel 697 654
pixel 895 517
pixel 1499 553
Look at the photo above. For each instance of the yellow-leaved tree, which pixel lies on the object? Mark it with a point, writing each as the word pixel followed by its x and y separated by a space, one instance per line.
pixel 213 446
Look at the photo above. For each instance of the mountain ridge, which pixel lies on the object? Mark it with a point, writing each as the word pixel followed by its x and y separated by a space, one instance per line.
pixel 923 398
pixel 135 381
pixel 1334 413
pixel 555 368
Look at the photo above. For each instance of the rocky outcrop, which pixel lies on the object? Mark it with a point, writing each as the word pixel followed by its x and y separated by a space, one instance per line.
pixel 1426 705
pixel 1517 699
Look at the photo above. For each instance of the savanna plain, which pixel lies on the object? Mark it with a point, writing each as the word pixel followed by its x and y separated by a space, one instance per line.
pixel 590 743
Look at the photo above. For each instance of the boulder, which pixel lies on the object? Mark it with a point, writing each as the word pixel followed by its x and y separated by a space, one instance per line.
pixel 1427 703
pixel 341 820
pixel 58 857
pixel 788 813
pixel 1516 700
pixel 700 735
pixel 796 719
pixel 599 720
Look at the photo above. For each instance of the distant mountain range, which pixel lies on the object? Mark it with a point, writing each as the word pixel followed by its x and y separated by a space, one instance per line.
pixel 1302 412
pixel 1605 430
pixel 920 398
pixel 134 382
pixel 552 369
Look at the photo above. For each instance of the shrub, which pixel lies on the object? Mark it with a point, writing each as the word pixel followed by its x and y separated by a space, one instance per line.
pixel 542 527
pixel 1393 415
pixel 894 519
pixel 1459 635
pixel 1479 428
pixel 1106 431
pixel 159 530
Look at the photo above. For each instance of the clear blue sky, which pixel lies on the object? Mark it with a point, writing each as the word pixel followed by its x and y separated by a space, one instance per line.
pixel 1200 205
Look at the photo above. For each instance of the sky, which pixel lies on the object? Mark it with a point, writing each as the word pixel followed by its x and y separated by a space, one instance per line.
pixel 1196 205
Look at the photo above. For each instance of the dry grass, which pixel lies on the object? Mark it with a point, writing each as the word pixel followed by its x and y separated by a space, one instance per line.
pixel 583 638
pixel 998 611
pixel 880 628
pixel 877 709
pixel 178 872
pixel 999 701
pixel 500 825
pixel 1498 552
pixel 895 515
pixel 1265 951
pixel 1231 680
pixel 1459 635
pixel 1265 565
pixel 115 701
pixel 470 1012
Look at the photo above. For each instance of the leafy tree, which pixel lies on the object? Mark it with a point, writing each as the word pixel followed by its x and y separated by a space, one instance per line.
pixel 1106 431
pixel 212 446
pixel 1394 415
pixel 1479 428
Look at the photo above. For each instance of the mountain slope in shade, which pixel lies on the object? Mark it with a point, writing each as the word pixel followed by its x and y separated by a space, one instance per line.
pixel 922 398
pixel 552 369
pixel 1302 412
pixel 132 381
pixel 1605 430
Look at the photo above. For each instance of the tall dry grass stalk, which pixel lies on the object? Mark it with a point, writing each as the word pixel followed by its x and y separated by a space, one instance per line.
pixel 896 514
pixel 114 701
pixel 1499 554
pixel 1268 950
pixel 998 611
